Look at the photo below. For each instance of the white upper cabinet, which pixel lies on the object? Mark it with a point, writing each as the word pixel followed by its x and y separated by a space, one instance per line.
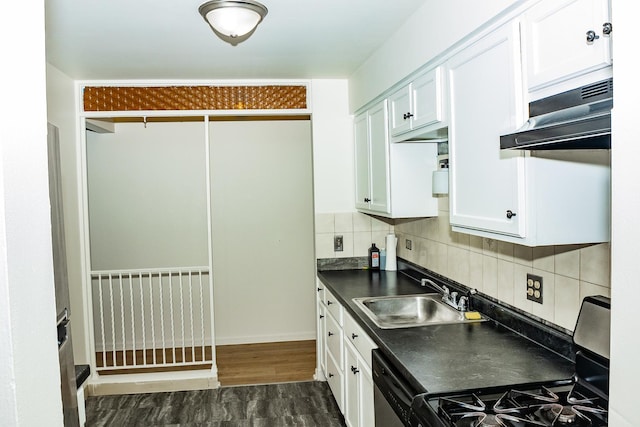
pixel 417 107
pixel 563 39
pixel 361 137
pixel 392 180
pixel 487 185
pixel 372 159
pixel 531 198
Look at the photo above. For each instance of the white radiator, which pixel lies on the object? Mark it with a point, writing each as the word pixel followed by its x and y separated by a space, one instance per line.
pixel 152 318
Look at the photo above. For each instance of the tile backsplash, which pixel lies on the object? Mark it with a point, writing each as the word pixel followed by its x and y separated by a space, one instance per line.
pixel 495 268
pixel 358 232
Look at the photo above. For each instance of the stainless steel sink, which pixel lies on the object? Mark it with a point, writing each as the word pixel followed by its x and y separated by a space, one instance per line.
pixel 405 311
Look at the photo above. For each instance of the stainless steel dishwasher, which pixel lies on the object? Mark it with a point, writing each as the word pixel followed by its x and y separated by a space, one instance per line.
pixel 392 395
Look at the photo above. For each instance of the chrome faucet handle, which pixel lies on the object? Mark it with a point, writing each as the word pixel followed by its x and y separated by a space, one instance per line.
pixel 454 298
pixel 463 303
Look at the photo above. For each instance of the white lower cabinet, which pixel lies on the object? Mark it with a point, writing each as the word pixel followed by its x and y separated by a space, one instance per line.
pixel 359 411
pixel 344 356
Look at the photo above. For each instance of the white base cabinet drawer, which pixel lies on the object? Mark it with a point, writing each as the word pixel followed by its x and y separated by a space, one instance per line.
pixel 333 306
pixel 354 334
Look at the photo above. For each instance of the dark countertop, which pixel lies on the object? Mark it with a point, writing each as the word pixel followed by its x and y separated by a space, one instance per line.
pixel 447 358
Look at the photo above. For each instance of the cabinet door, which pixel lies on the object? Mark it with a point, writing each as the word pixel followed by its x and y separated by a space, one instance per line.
pixel 426 93
pixel 555 39
pixel 351 395
pixel 486 97
pixel 399 108
pixel 335 379
pixel 379 152
pixel 367 411
pixel 322 345
pixel 362 166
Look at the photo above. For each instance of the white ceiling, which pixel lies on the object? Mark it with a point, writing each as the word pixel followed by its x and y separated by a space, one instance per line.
pixel 168 39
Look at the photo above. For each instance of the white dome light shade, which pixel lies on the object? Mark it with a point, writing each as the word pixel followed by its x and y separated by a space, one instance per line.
pixel 233 18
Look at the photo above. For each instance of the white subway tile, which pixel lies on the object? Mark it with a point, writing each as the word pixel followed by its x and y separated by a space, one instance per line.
pixel 567 259
pixel 324 245
pixel 543 258
pixel 505 251
pixel 361 222
pixel 344 223
pixel 361 243
pixel 567 299
pixel 523 255
pixel 325 223
pixel 595 265
pixel 505 281
pixel 490 275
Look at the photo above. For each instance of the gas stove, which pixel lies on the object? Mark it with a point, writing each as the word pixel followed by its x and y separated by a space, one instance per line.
pixel 581 401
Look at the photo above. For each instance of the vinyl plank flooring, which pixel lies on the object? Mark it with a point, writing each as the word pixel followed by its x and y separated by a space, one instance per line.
pixel 301 404
pixel 263 385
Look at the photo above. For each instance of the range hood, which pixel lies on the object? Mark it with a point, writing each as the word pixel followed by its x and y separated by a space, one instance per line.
pixel 576 119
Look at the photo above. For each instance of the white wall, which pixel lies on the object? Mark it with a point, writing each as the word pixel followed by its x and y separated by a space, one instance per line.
pixel 61 112
pixel 333 166
pixel 147 196
pixel 426 34
pixel 625 268
pixel 29 370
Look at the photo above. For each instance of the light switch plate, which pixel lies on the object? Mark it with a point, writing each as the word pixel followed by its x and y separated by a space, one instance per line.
pixel 338 243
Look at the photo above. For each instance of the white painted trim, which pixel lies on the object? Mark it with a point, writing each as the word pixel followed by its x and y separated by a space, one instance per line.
pixel 152 383
pixel 311 335
pixel 192 113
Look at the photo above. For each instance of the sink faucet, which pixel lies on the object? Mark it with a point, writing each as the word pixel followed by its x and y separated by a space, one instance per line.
pixel 448 297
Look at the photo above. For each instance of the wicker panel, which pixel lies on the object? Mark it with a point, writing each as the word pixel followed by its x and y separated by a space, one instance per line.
pixel 121 98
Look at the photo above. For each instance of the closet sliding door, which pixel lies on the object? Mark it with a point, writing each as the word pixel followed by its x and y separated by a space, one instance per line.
pixel 262 226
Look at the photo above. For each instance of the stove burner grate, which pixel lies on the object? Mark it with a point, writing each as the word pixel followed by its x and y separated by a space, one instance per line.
pixel 524 408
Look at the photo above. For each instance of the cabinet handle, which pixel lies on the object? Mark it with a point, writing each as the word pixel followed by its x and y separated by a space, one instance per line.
pixel 354 370
pixel 322 316
pixel 330 375
pixel 330 333
pixel 319 289
pixel 407 116
pixel 591 36
pixel 607 28
pixel 510 214
pixel 329 301
pixel 367 200
pixel 354 336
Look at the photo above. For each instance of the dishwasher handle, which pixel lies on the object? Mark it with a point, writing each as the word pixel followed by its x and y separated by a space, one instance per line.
pixel 390 383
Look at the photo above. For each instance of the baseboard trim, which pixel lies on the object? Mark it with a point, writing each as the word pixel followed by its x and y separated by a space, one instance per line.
pixel 152 383
pixel 259 339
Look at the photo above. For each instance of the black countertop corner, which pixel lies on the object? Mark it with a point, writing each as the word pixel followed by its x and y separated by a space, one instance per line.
pixel 455 357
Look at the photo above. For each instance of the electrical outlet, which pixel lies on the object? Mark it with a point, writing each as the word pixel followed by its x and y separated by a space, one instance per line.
pixel 338 243
pixel 534 288
pixel 407 244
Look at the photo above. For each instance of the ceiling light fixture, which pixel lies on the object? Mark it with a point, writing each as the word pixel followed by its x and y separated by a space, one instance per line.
pixel 233 19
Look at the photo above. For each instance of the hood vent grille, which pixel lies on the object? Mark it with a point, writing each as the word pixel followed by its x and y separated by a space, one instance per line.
pixel 576 119
pixel 601 88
